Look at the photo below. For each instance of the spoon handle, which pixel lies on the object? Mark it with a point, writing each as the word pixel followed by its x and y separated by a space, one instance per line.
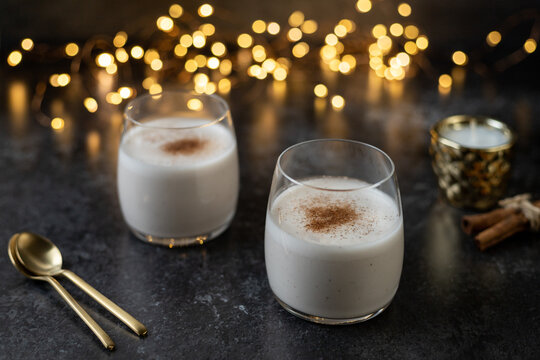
pixel 92 324
pixel 114 309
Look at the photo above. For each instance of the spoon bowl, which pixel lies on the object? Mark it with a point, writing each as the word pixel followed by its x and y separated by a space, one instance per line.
pixel 38 254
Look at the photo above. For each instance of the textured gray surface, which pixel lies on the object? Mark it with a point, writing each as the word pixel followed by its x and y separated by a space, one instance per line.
pixel 214 301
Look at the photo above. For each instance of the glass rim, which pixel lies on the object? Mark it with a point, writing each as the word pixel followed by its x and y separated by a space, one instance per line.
pixel 144 97
pixel 355 142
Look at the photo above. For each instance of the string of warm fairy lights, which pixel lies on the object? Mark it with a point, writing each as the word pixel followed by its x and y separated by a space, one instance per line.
pixel 189 49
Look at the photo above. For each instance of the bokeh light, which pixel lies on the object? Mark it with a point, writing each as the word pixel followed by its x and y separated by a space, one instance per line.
pixel 530 46
pixel 71 49
pixel 459 58
pixel 404 9
pixel 363 5
pixel 205 10
pixel 493 38
pixel 14 58
pixel 90 104
pixel 338 102
pixel 27 44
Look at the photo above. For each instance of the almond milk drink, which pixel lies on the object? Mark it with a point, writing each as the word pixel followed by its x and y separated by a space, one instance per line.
pixel 178 183
pixel 334 254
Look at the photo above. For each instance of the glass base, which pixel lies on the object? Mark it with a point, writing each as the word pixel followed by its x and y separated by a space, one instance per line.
pixel 179 241
pixel 330 321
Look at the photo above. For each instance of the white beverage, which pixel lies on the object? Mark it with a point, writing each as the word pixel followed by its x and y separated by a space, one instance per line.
pixel 334 254
pixel 178 183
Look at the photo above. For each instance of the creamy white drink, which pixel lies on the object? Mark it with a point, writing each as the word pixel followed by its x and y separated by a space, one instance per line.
pixel 178 183
pixel 334 254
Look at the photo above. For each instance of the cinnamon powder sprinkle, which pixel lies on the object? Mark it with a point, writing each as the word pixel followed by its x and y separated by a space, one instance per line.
pixel 183 146
pixel 323 218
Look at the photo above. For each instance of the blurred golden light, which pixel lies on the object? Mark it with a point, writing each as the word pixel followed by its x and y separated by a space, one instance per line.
pixel 176 11
pixel 363 5
pixel 199 39
pixel 273 28
pixel 53 80
pixel 269 65
pixel 71 49
pixel 385 43
pixel 121 55
pixel 186 40
pixel 340 30
pixel 208 29
pixel 244 40
pixel 374 50
pixel 411 48
pixel 149 81
pixel 349 59
pixel 445 81
pixel 320 90
pixel 296 18
pixel 111 69
pixel 150 55
pixel 422 43
pixel 57 123
pixel 180 51
pixel 328 52
pixel 309 26
pixel 191 65
pixel 201 79
pixel 284 62
pixel 27 44
pixel 225 67
pixel 218 49
pixel 14 58
pixel 300 50
pixel 120 39
pixel 224 86
pixel 113 98
pixel 259 53
pixel 350 26
pixel 258 26
pixel 378 30
pixel 403 59
pixel 294 34
pixel 396 29
pixel 530 46
pixel 375 63
pixel 212 62
pixel 194 104
pixel 338 102
pixel 404 9
pixel 331 39
pixel 344 67
pixel 137 52
pixel 165 23
pixel 210 88
pixel 156 64
pixel 125 92
pixel 334 65
pixel 63 79
pixel 155 89
pixel 493 38
pixel 205 10
pixel 200 59
pixel 104 59
pixel 254 70
pixel 411 32
pixel 90 104
pixel 459 58
pixel 280 74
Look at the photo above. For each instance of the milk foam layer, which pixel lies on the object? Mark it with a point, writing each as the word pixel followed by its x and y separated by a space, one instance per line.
pixel 148 143
pixel 346 273
pixel 187 193
pixel 376 213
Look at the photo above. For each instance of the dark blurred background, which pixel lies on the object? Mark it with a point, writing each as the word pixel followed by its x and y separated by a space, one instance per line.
pixel 457 23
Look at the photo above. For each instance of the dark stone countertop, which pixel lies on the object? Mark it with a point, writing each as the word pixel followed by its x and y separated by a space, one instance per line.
pixel 214 301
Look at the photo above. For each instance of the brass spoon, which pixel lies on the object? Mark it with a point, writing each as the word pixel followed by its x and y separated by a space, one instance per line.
pixel 92 324
pixel 39 255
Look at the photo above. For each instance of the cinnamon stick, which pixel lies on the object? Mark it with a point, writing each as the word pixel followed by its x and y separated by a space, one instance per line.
pixel 472 224
pixel 503 229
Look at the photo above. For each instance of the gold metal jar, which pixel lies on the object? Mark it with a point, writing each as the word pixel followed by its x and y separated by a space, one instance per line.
pixel 471 177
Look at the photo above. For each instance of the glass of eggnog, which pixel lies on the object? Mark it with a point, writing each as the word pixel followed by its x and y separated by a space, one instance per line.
pixel 334 231
pixel 178 168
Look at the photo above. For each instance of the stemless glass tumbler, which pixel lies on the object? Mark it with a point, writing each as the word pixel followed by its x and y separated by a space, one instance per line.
pixel 178 168
pixel 334 231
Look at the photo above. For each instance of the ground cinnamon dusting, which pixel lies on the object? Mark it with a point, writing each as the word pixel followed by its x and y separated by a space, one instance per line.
pixel 183 146
pixel 323 218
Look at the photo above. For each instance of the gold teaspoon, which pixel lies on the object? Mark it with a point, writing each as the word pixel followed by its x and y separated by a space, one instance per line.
pixel 41 257
pixel 92 324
